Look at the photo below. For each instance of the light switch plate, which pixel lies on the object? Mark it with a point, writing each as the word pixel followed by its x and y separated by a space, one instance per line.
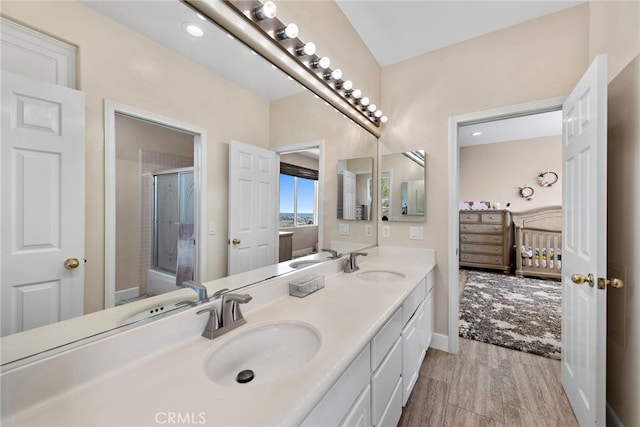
pixel 368 230
pixel 212 229
pixel 343 229
pixel 416 233
pixel 386 231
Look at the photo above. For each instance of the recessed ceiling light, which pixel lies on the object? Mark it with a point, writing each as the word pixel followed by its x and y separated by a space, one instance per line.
pixel 193 30
pixel 476 133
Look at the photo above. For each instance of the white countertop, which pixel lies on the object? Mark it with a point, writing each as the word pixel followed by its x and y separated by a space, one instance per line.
pixel 346 313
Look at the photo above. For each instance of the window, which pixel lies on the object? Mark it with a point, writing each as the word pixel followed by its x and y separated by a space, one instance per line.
pixel 297 201
pixel 385 195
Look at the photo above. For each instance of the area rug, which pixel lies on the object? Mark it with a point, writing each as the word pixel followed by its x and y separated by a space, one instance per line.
pixel 514 312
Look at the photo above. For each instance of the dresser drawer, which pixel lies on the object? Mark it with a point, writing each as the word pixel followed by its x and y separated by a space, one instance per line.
pixel 469 217
pixel 492 218
pixel 481 249
pixel 481 238
pixel 480 228
pixel 481 259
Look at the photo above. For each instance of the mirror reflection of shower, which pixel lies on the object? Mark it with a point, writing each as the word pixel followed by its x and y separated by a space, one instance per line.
pixel 173 230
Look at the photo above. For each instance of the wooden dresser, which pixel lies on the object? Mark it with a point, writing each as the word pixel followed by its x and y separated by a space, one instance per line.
pixel 486 239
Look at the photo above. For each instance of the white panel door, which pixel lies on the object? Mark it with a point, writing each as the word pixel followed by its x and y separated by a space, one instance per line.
pixel 584 316
pixel 42 203
pixel 253 234
pixel 348 195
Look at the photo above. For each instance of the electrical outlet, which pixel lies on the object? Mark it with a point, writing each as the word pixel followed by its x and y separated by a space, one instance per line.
pixel 343 229
pixel 416 233
pixel 386 231
pixel 368 230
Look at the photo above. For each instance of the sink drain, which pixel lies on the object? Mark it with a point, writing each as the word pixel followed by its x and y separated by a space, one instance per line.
pixel 245 376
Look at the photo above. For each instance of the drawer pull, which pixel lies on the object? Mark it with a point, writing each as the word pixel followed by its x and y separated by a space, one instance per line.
pixel 465 237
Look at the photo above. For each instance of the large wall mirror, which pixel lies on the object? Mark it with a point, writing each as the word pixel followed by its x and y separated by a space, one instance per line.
pixel 177 102
pixel 402 186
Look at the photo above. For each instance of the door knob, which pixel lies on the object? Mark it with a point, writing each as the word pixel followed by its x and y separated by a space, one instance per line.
pixel 71 263
pixel 614 283
pixel 235 241
pixel 579 279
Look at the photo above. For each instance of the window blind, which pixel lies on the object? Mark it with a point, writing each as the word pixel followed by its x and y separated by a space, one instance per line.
pixel 299 171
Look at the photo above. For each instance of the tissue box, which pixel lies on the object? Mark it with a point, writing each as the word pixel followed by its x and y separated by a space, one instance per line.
pixel 306 285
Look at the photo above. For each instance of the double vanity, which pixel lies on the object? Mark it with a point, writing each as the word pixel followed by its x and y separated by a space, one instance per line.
pixel 346 354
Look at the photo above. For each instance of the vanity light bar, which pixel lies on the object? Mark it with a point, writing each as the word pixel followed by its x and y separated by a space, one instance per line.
pixel 263 15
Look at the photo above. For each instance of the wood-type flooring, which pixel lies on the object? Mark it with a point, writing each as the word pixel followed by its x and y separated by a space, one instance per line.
pixel 487 385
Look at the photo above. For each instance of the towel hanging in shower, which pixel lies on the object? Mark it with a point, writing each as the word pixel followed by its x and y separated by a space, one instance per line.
pixel 186 253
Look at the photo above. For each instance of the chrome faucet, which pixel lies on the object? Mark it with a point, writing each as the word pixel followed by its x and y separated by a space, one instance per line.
pixel 334 254
pixel 199 289
pixel 351 264
pixel 231 315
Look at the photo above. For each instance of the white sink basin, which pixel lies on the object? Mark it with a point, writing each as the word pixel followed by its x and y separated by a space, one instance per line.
pixel 263 354
pixel 305 263
pixel 380 276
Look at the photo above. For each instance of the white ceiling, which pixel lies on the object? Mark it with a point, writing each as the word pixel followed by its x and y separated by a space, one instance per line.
pixel 512 129
pixel 398 30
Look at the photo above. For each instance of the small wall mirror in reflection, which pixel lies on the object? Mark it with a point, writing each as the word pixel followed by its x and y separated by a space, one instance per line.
pixel 355 188
pixel 402 186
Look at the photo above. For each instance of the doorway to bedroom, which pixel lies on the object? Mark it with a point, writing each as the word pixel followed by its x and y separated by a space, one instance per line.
pixel 510 240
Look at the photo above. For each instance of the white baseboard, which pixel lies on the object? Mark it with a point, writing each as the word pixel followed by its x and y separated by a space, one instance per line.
pixel 612 418
pixel 440 342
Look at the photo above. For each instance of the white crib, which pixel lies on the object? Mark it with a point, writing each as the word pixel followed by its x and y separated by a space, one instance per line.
pixel 538 241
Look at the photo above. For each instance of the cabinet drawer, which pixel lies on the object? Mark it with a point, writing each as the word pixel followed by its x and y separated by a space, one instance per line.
pixel 341 396
pixel 360 413
pixel 482 249
pixel 481 259
pixel 385 338
pixel 492 218
pixel 413 301
pixel 469 217
pixel 384 380
pixel 393 411
pixel 481 238
pixel 480 228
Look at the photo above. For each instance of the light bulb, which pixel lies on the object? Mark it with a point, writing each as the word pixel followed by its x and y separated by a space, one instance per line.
pixel 306 49
pixel 356 93
pixel 333 75
pixel 384 119
pixel 364 101
pixel 322 63
pixel 372 108
pixel 346 85
pixel 288 32
pixel 378 114
pixel 266 11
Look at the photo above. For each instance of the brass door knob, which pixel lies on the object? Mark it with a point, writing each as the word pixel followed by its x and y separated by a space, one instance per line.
pixel 580 279
pixel 71 263
pixel 614 283
pixel 235 241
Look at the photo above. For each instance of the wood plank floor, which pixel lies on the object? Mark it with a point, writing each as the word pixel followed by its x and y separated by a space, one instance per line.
pixel 487 385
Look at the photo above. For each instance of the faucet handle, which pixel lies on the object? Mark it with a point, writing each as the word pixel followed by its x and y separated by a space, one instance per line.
pixel 231 309
pixel 334 254
pixel 213 324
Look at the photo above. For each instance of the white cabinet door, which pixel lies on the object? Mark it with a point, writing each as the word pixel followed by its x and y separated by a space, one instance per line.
pixel 429 320
pixel 412 351
pixel 360 414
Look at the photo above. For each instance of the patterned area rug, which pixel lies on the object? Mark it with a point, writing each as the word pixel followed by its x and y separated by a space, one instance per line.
pixel 514 312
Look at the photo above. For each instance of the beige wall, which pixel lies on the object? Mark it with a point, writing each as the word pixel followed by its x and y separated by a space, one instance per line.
pixel 623 205
pixel 539 59
pixel 494 172
pixel 117 64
